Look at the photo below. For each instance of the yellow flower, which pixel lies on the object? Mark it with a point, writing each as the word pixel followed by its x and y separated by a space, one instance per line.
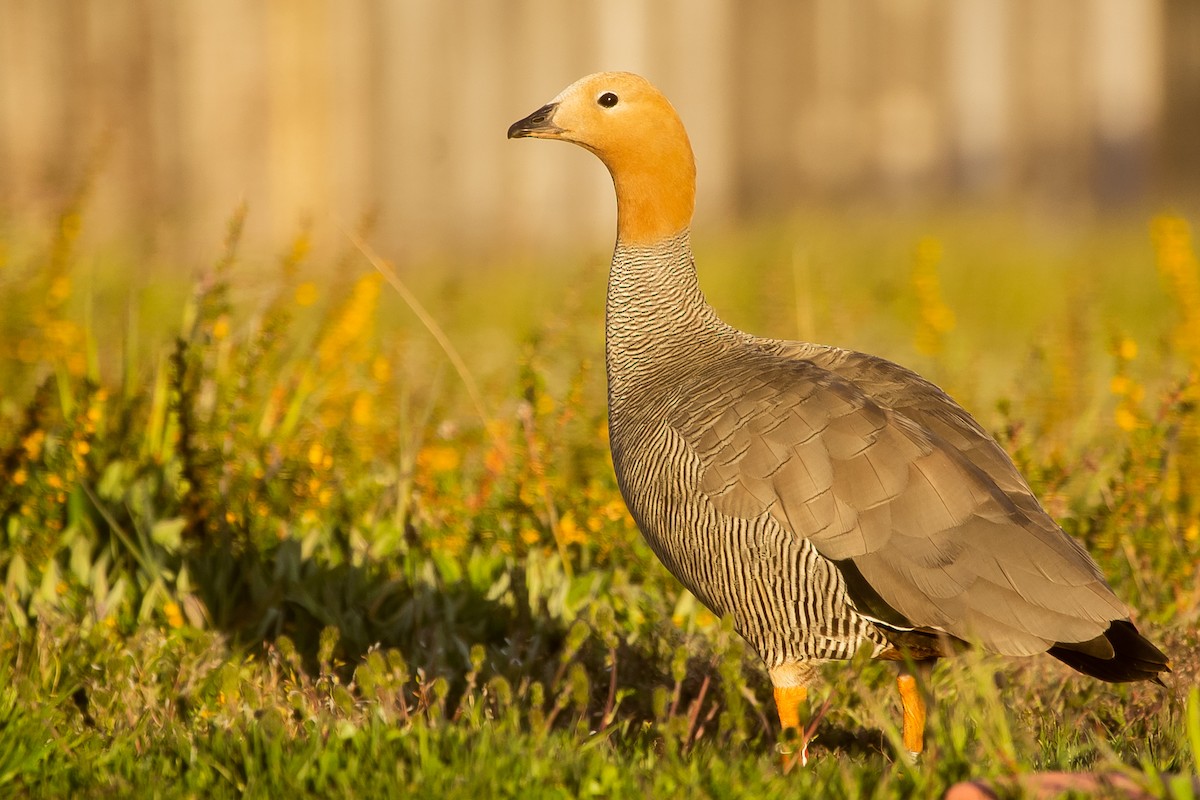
pixel 60 288
pixel 19 477
pixel 33 443
pixel 453 544
pixel 1127 349
pixel 1179 267
pixel 614 509
pixel 173 614
pixel 494 461
pixel 360 409
pixel 530 536
pixel 381 370
pixel 929 249
pixel 936 318
pixel 28 351
pixel 221 327
pixel 569 531
pixel 306 294
pixel 438 458
pixel 316 454
pixel 351 324
pixel 1126 419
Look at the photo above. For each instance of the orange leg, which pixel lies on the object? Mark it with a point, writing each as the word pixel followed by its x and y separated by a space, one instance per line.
pixel 788 700
pixel 787 703
pixel 912 701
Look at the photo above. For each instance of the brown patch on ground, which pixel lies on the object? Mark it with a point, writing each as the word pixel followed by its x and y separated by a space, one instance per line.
pixel 1047 785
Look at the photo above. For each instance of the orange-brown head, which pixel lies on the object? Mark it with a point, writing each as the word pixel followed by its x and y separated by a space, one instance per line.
pixel 635 131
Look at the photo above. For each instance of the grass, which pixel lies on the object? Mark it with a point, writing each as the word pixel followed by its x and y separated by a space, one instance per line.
pixel 259 540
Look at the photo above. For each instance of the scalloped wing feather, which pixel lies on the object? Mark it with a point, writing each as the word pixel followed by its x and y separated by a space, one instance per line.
pixel 904 483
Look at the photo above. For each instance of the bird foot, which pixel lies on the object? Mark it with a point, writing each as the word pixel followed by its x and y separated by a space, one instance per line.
pixel 791 756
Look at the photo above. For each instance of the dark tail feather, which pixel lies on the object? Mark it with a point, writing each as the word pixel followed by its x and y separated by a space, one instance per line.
pixel 1134 657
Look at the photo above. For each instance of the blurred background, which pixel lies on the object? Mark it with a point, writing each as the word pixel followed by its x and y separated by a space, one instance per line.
pixel 172 114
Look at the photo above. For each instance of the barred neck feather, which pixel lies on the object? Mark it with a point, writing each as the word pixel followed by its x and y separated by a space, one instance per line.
pixel 657 320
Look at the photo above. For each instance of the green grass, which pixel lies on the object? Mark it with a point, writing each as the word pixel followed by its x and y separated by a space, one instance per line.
pixel 258 541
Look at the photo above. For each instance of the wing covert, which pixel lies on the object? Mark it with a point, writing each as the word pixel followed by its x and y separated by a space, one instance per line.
pixel 905 484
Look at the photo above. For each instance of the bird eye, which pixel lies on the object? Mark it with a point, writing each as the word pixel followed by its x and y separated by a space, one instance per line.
pixel 608 100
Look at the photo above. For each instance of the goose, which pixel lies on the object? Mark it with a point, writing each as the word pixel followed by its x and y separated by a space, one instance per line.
pixel 828 500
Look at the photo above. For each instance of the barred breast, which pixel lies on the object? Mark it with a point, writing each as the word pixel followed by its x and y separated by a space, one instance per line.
pixel 665 349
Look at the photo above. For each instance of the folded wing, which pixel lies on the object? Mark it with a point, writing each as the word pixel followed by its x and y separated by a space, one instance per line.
pixel 900 482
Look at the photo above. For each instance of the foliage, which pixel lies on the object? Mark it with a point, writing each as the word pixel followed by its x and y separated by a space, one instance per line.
pixel 265 547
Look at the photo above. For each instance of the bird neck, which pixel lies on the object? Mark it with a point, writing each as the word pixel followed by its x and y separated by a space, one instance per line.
pixel 657 322
pixel 655 184
pixel 652 208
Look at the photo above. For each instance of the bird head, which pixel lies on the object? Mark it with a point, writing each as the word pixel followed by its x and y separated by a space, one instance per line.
pixel 634 130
